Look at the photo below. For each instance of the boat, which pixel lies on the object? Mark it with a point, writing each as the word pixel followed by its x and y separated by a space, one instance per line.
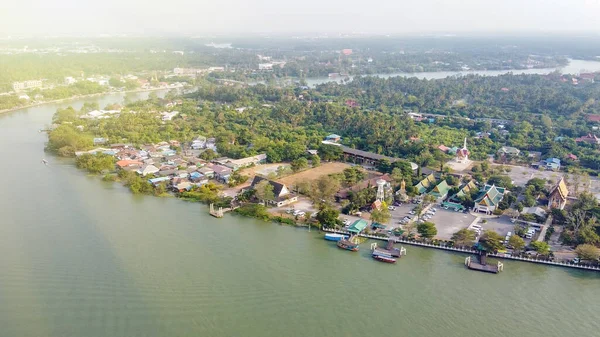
pixel 347 245
pixel 335 237
pixel 383 258
pixel 45 162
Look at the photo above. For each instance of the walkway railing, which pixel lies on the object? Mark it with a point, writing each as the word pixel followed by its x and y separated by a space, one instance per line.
pixel 469 251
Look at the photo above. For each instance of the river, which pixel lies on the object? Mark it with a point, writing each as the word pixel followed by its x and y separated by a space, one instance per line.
pixel 82 257
pixel 574 67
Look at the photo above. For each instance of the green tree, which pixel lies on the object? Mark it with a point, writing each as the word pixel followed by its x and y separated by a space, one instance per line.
pixel 381 216
pixel 491 241
pixel 208 155
pixel 323 190
pixel 516 242
pixel 299 164
pixel 264 191
pixel 316 161
pixel 464 237
pixel 588 252
pixel 427 229
pixel 541 247
pixel 328 216
pixel 330 152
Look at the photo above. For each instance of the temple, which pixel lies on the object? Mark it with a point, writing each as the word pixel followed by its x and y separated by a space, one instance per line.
pixel 558 195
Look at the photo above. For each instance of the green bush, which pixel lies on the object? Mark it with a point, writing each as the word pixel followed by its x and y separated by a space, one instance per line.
pixel 254 210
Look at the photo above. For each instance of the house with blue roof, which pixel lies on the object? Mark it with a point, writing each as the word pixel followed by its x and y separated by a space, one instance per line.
pixel 333 138
pixel 156 181
pixel 551 164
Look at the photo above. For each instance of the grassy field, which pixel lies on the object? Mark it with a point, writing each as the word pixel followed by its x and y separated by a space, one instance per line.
pixel 314 173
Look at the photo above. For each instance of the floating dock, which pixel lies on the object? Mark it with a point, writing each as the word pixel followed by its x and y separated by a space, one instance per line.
pixel 483 266
pixel 388 250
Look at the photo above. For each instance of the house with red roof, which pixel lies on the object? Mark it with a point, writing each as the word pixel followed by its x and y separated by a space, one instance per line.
pixel 590 139
pixel 593 118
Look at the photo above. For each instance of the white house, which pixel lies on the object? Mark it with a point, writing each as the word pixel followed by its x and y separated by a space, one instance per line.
pixel 167 116
pixel 148 169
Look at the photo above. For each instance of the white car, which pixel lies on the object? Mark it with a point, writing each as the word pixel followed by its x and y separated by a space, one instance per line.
pixel 391 208
pixel 412 212
pixel 346 222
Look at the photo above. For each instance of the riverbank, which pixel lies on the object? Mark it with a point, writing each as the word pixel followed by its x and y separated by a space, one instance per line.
pixel 467 250
pixel 62 100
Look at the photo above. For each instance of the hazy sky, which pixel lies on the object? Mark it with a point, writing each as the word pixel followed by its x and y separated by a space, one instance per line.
pixel 252 16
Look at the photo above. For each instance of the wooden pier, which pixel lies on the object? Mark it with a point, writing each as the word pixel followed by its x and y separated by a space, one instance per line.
pixel 216 213
pixel 388 250
pixel 483 266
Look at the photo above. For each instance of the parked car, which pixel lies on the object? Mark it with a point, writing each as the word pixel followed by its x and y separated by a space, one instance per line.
pixel 392 208
pixel 412 212
pixel 397 203
pixel 434 209
pixel 346 221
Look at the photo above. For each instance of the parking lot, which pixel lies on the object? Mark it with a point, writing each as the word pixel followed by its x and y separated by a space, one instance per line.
pixel 449 222
pixel 501 225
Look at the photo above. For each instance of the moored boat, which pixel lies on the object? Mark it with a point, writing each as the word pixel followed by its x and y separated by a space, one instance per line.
pixel 335 237
pixel 347 245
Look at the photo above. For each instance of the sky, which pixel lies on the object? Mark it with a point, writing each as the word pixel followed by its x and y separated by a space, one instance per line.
pixel 151 17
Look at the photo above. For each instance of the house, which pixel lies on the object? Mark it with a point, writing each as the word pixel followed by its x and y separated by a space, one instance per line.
pixel 282 194
pixel 590 139
pixel 148 169
pixel 351 103
pixel 376 205
pixel 167 173
pixel 551 164
pixel 441 190
pixel 593 118
pixel 358 226
pixel 443 148
pixel 199 143
pixel 211 144
pixel 207 172
pixel 558 195
pixel 509 151
pixel 197 177
pixel 182 186
pixel 572 157
pixel 236 164
pixel 333 138
pixel 367 158
pixel 534 155
pixel 540 212
pixel 156 181
pixel 425 184
pixel 487 201
pixel 464 191
pixel 129 163
pixel 222 173
pixel 100 140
